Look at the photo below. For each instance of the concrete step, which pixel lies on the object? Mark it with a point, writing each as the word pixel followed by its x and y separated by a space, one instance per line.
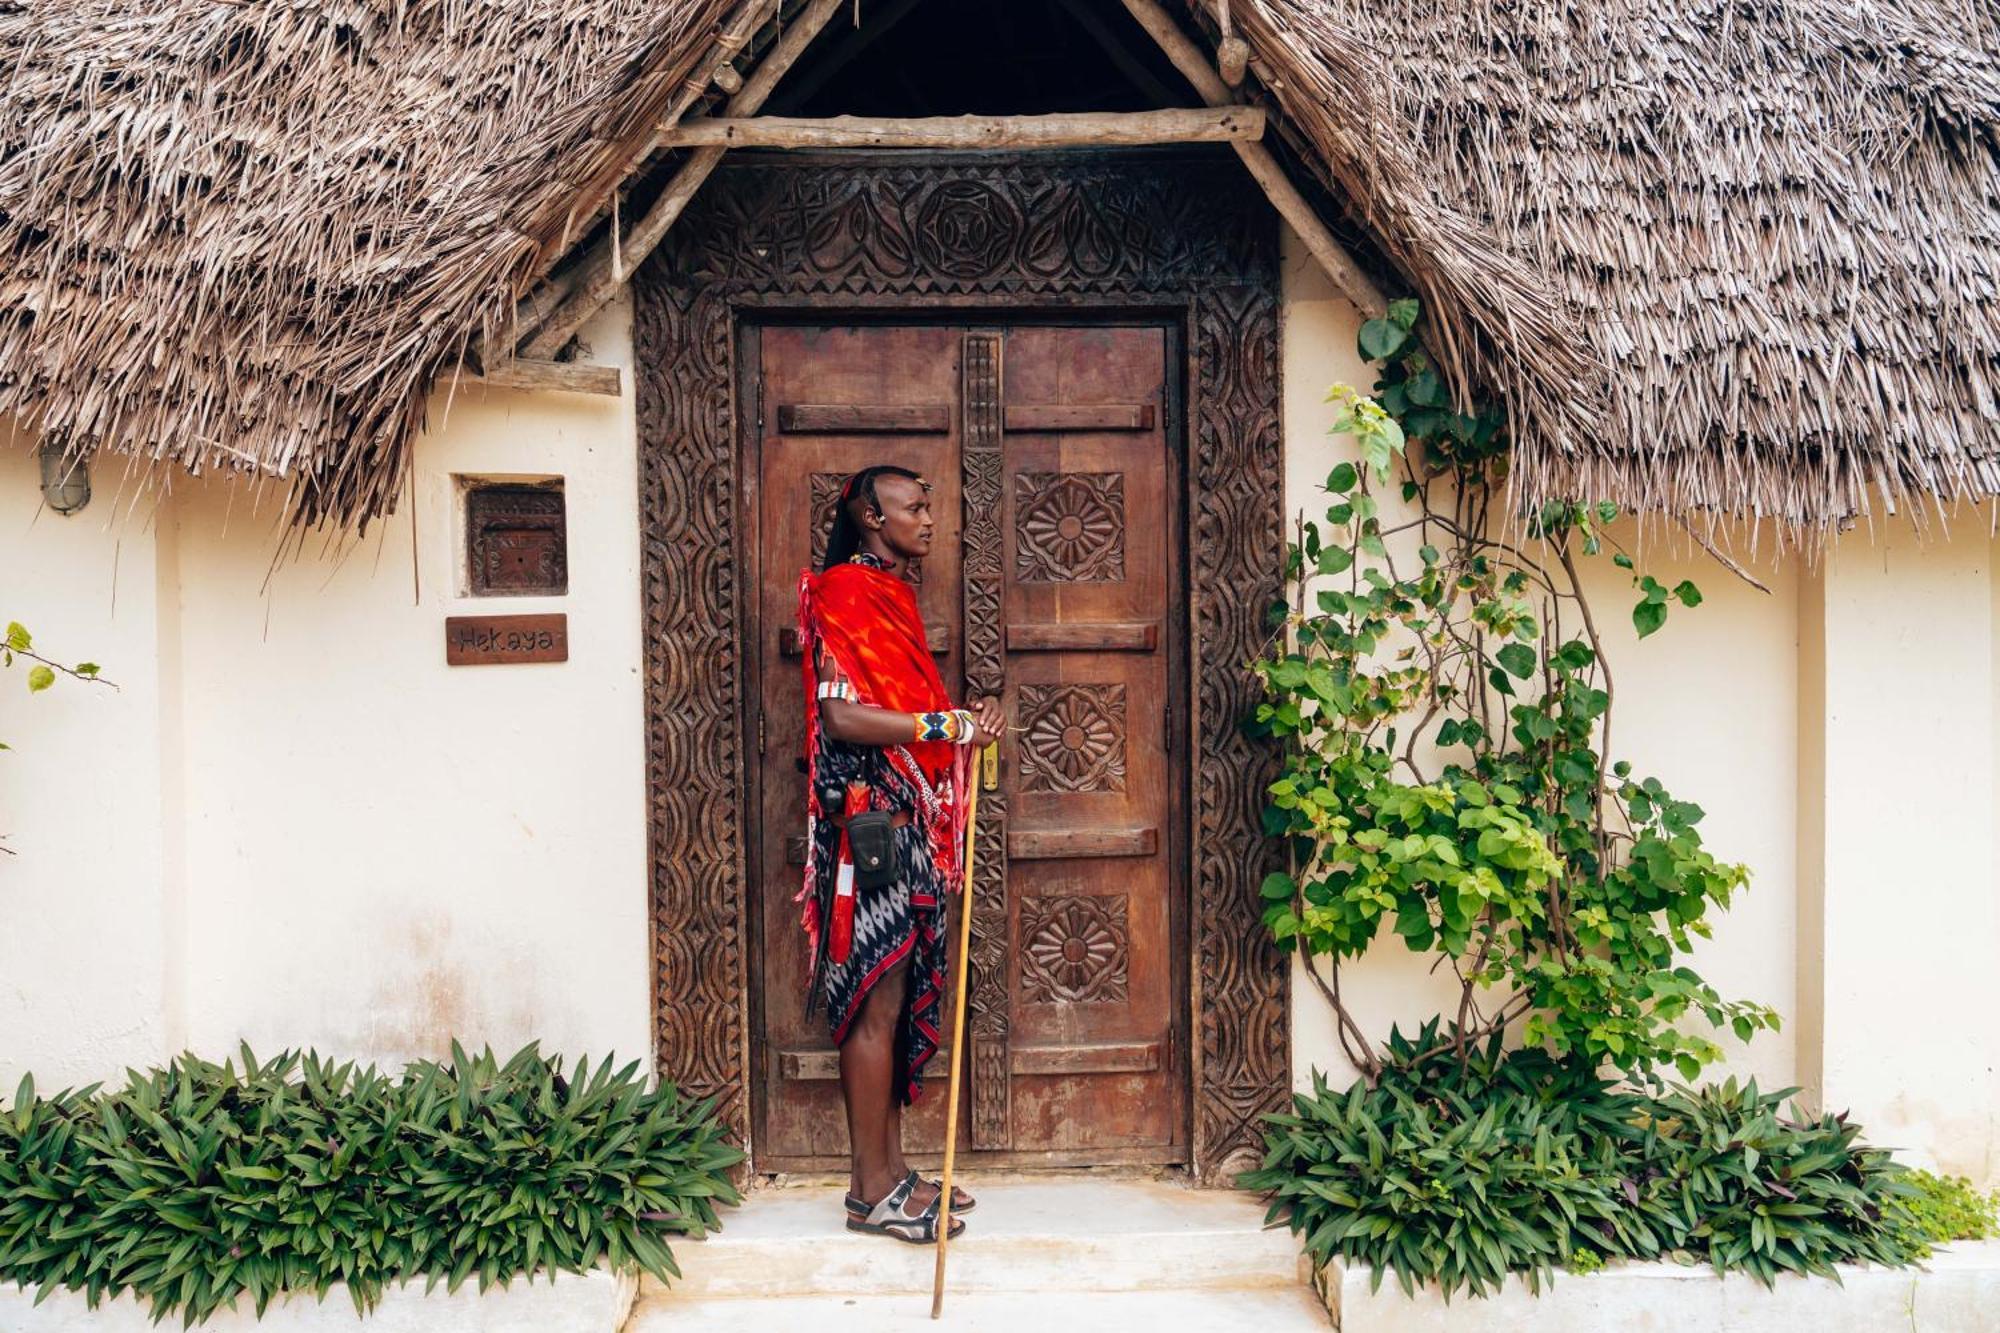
pixel 1029 1234
pixel 1250 1310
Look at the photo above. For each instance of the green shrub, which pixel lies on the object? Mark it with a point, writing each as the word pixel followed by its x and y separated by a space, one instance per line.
pixel 1521 1162
pixel 1936 1210
pixel 199 1182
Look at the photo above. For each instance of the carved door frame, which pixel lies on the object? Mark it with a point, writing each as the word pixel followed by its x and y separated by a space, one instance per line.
pixel 1187 237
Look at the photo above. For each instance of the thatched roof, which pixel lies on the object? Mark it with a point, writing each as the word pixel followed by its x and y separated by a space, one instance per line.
pixel 1730 256
pixel 1778 225
pixel 248 234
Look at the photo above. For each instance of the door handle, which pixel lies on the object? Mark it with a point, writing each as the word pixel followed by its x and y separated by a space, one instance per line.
pixel 989 767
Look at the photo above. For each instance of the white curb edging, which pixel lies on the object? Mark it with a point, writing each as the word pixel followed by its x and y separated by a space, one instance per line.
pixel 1955 1291
pixel 595 1302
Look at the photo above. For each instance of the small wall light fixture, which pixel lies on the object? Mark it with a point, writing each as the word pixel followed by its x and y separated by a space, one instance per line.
pixel 65 481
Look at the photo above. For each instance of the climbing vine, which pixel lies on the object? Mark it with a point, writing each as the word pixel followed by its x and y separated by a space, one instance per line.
pixel 1445 713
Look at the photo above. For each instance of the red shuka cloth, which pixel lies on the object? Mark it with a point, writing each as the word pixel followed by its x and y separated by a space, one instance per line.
pixel 866 620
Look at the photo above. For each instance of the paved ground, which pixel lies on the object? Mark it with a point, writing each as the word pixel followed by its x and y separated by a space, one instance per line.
pixel 1288 1311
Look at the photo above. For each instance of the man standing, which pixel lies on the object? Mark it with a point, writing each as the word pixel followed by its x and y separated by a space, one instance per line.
pixel 888 771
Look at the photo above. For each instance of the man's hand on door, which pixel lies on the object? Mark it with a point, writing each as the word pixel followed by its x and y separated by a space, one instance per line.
pixel 989 719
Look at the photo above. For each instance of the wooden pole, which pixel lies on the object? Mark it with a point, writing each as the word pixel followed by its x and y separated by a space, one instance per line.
pixel 570 376
pixel 1257 159
pixel 1069 130
pixel 600 277
pixel 548 294
pixel 957 1047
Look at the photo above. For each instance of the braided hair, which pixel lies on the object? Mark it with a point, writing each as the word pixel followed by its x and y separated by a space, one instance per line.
pixel 857 497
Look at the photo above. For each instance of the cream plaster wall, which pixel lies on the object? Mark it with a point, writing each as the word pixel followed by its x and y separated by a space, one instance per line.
pixel 84 912
pixel 294 823
pixel 1901 894
pixel 390 852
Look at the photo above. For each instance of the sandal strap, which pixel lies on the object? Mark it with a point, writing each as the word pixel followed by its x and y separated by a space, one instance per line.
pixel 890 1208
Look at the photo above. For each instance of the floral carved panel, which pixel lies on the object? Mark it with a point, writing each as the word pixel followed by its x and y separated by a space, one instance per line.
pixel 1069 527
pixel 1074 948
pixel 1074 738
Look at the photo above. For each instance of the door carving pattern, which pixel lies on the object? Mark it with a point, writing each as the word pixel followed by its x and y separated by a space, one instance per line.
pixel 985 674
pixel 1069 527
pixel 1042 233
pixel 1074 738
pixel 1075 947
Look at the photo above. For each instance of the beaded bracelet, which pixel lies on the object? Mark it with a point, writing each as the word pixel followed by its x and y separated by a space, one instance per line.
pixel 954 727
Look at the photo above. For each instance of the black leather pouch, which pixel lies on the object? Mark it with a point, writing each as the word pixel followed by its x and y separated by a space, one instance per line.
pixel 871 838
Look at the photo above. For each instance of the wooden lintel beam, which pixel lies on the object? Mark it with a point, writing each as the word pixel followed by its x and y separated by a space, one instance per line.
pixel 1262 166
pixel 567 376
pixel 1221 124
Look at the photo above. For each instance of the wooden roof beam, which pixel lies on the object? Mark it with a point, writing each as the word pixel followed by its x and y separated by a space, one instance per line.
pixel 1257 159
pixel 1221 124
pixel 548 294
pixel 566 376
pixel 603 271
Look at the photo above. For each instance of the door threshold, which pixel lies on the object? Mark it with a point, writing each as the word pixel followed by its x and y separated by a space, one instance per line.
pixel 1165 1172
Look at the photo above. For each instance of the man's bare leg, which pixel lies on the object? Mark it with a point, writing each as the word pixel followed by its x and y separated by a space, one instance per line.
pixel 867 1085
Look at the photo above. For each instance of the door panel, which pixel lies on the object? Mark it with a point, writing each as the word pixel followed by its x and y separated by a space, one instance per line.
pixel 1058 591
pixel 1086 548
pixel 833 401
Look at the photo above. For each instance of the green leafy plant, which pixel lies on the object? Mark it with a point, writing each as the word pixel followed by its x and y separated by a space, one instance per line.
pixel 1461 1172
pixel 43 671
pixel 1445 717
pixel 200 1182
pixel 1936 1210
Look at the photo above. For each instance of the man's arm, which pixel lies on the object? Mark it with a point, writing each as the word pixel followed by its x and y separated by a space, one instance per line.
pixel 846 719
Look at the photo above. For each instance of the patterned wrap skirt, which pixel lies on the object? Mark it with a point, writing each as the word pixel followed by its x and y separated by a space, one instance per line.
pixel 903 920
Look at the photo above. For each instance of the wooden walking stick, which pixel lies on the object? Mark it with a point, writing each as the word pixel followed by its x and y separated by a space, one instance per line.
pixel 957 1048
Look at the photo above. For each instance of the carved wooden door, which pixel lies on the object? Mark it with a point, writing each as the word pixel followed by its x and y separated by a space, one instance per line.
pixel 1053 582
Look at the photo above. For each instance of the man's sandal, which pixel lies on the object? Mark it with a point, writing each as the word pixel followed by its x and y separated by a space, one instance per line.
pixel 892 1217
pixel 961 1202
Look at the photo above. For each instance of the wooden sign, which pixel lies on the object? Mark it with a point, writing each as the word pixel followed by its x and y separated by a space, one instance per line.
pixel 504 640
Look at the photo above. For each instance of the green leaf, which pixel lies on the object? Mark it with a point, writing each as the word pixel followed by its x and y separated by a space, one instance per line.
pixel 1382 339
pixel 1341 480
pixel 87 668
pixel 40 678
pixel 1518 658
pixel 1335 559
pixel 1688 593
pixel 1648 616
pixel 1403 313
pixel 18 637
pixel 1427 390
pixel 1622 560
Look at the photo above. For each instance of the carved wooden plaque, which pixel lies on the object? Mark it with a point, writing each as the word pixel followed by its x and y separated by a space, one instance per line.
pixel 505 640
pixel 517 541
